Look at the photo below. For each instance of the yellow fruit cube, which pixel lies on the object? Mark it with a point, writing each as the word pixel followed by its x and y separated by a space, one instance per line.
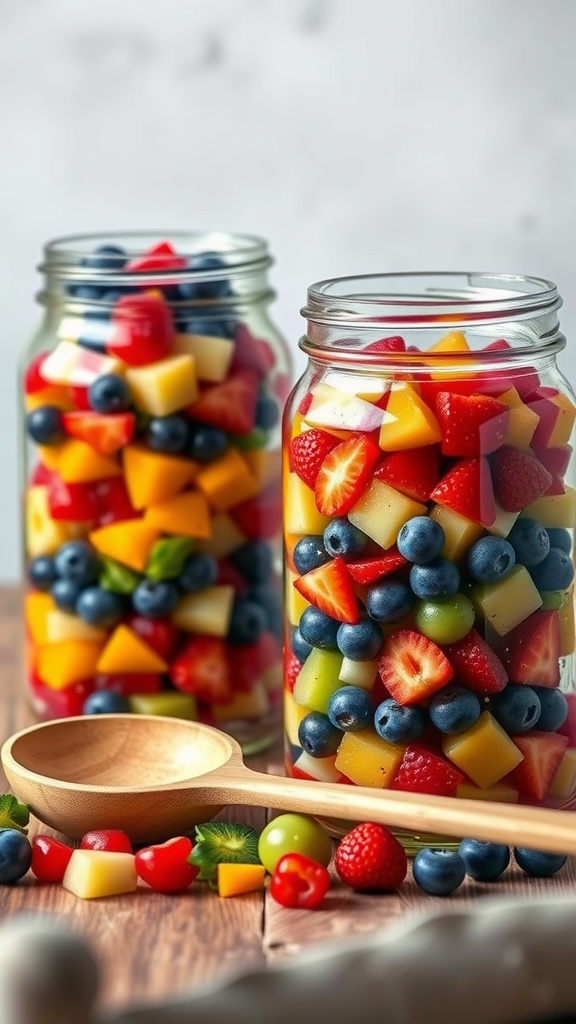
pixel 64 663
pixel 60 627
pixel 125 652
pixel 455 341
pixel 235 879
pixel 187 514
pixel 485 753
pixel 243 705
pixel 567 626
pixel 562 429
pixel 295 602
pixel 381 512
pixel 212 356
pixel 323 769
pixel 522 420
pixel 508 602
pixel 152 476
pixel 301 515
pixel 554 510
pixel 563 784
pixel 53 394
pixel 170 705
pixel 79 463
pixel 44 535
pixel 264 465
pixel 500 792
pixel 225 537
pixel 164 387
pixel 208 611
pixel 37 608
pixel 293 715
pixel 129 542
pixel 94 873
pixel 367 760
pixel 409 422
pixel 49 454
pixel 227 481
pixel 461 533
pixel 359 673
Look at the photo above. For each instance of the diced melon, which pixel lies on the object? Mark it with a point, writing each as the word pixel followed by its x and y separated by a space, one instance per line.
pixel 44 535
pixel 209 611
pixel 461 533
pixel 37 608
pixel 293 715
pixel 296 603
pixel 129 542
pixel 485 753
pixel 522 420
pixel 500 792
pixel 125 652
pixel 152 477
pixel 563 784
pixel 381 512
pixel 318 679
pixel 243 705
pixel 508 602
pixel 164 387
pixel 566 622
pixel 554 510
pixel 64 663
pixel 227 481
pixel 78 366
pixel 368 760
pixel 186 514
pixel 503 522
pixel 332 407
pixel 168 704
pixel 225 537
pixel 265 466
pixel 359 673
pixel 94 873
pixel 235 879
pixel 323 769
pixel 363 385
pixel 60 626
pixel 301 515
pixel 408 422
pixel 80 463
pixel 212 356
pixel 566 414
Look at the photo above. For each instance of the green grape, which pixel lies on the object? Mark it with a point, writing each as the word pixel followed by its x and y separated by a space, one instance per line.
pixel 447 620
pixel 294 833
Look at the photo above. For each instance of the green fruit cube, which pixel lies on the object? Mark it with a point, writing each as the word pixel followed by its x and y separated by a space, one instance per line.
pixel 359 673
pixel 505 604
pixel 318 679
pixel 171 705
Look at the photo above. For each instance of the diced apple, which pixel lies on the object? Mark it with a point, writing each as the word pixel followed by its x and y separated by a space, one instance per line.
pixel 94 873
pixel 208 611
pixel 170 705
pixel 558 510
pixel 334 408
pixel 381 512
pixel 243 705
pixel 359 673
pixel 301 515
pixel 322 769
pixel 212 356
pixel 408 421
pixel 318 679
pixel 164 387
pixel 503 522
pixel 508 602
pixel 461 533
pixel 61 664
pixel 485 753
pixel 367 760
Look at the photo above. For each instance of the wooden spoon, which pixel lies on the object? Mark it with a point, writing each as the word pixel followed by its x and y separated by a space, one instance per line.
pixel 156 777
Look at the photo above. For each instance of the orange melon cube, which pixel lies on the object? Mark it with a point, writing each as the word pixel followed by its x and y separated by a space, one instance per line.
pixel 522 420
pixel 79 463
pixel 128 542
pixel 49 454
pixel 187 514
pixel 53 394
pixel 152 477
pixel 408 422
pixel 164 387
pixel 125 652
pixel 62 664
pixel 37 608
pixel 235 879
pixel 227 481
pixel 367 760
pixel 485 753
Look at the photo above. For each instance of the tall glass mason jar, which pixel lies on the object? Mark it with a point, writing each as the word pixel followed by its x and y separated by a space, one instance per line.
pixel 429 513
pixel 152 393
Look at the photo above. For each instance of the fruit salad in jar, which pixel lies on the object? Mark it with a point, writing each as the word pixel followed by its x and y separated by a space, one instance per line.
pixel 429 574
pixel 152 506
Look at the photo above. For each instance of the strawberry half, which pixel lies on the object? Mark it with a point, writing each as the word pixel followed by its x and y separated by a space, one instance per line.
pixel 532 650
pixel 412 667
pixel 422 771
pixel 344 474
pixel 372 569
pixel 476 665
pixel 415 471
pixel 202 668
pixel 519 478
pixel 307 453
pixel 106 433
pixel 471 424
pixel 330 589
pixel 543 752
pixel 467 489
pixel 230 405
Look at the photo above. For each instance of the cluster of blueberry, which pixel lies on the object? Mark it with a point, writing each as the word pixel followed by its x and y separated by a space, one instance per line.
pixel 441 872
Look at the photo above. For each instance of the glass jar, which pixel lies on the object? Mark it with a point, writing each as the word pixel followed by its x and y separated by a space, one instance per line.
pixel 429 511
pixel 152 393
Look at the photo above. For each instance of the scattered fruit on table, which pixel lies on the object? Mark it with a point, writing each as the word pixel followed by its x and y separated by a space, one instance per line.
pixel 50 858
pixel 112 840
pixel 438 872
pixel 218 842
pixel 166 867
pixel 91 874
pixel 370 858
pixel 484 862
pixel 293 833
pixel 537 863
pixel 299 881
pixel 237 879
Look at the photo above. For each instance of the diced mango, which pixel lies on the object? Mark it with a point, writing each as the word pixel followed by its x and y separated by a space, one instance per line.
pixel 94 873
pixel 359 673
pixel 53 394
pixel 164 387
pixel 522 420
pixel 129 542
pixel 227 481
pixel 243 705
pixel 455 341
pixel 500 792
pixel 567 626
pixel 408 422
pixel 554 510
pixel 323 769
pixel 293 715
pixel 235 879
pixel 485 753
pixel 212 356
pixel 60 626
pixel 170 705
pixel 78 366
pixel 301 515
pixel 296 603
pixel 187 514
pixel 381 512
pixel 79 463
pixel 49 454
pixel 44 535
pixel 152 477
pixel 367 760
pixel 508 602
pixel 126 652
pixel 318 679
pixel 37 608
pixel 225 537
pixel 562 429
pixel 563 784
pixel 264 464
pixel 208 611
pixel 64 663
pixel 461 533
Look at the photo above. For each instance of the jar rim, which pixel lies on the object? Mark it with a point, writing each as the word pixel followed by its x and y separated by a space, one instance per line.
pixel 235 248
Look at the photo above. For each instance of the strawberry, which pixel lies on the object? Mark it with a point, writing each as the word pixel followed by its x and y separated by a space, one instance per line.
pixel 307 453
pixel 372 569
pixel 412 667
pixel 260 518
pixel 106 433
pixel 231 405
pixel 414 471
pixel 370 857
pixel 524 379
pixel 250 661
pixel 476 665
pixel 344 475
pixel 159 634
pixel 392 344
pixel 519 478
pixel 422 771
pixel 556 461
pixel 471 424
pixel 330 589
pixel 532 650
pixel 128 683
pixel 113 504
pixel 33 379
pixel 293 667
pixel 543 752
pixel 202 668
pixel 161 256
pixel 250 353
pixel 467 489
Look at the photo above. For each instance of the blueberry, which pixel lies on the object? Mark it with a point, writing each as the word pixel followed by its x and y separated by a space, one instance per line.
pixel 399 723
pixel 318 736
pixel 99 607
pixel 267 412
pixel 155 598
pixel 300 647
pixel 247 623
pixel 106 257
pixel 517 708
pixel 361 642
pixel 77 561
pixel 309 554
pixel 167 434
pixel 319 629
pixel 490 559
pixel 485 862
pixel 438 578
pixel 538 863
pixel 207 443
pixel 531 542
pixel 267 595
pixel 218 289
pixel 15 856
pixel 198 572
pixel 553 708
pixel 389 601
pixel 350 708
pixel 254 560
pixel 65 594
pixel 560 538
pixel 42 572
pixel 44 425
pixel 109 393
pixel 438 872
pixel 421 539
pixel 85 292
pixel 555 572
pixel 454 710
pixel 341 538
pixel 209 327
pixel 105 702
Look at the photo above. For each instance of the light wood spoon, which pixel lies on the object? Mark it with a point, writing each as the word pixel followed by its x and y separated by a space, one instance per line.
pixel 156 777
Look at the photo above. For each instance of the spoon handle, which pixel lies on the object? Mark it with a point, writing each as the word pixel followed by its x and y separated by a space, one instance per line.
pixel 540 828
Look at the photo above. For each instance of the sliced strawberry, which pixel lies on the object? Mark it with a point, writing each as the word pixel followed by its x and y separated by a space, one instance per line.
pixel 471 424
pixel 251 353
pixel 415 471
pixel 532 650
pixel 106 433
pixel 422 771
pixel 230 405
pixel 344 475
pixel 113 503
pixel 202 668
pixel 161 256
pixel 519 478
pixel 260 517
pixel 476 665
pixel 392 344
pixel 292 670
pixel 307 453
pixel 467 489
pixel 412 667
pixel 542 752
pixel 330 589
pixel 372 569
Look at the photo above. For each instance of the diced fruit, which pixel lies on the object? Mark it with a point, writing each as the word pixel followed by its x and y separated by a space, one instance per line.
pixel 318 679
pixel 542 754
pixel 62 703
pixel 557 414
pixel 373 569
pixel 78 366
pixel 227 481
pixel 522 420
pixel 302 516
pixel 460 533
pixel 105 433
pixel 153 476
pixel 212 356
pixel 94 873
pixel 455 341
pixel 367 760
pixel 142 329
pixel 165 867
pixel 411 667
pixel 519 479
pixel 508 602
pixel 532 650
pixel 127 684
pixel 359 673
pixel 363 385
pixel 558 510
pixel 243 705
pixel 470 424
pixel 128 542
pixel 33 379
pixel 161 256
pixel 60 627
pixel 251 353
pixel 37 608
pixel 260 517
pixel 295 602
pixel 563 784
pixel 485 753
pixel 321 769
pixel 50 858
pixel 381 512
pixel 234 879
pixel 422 771
pixel 79 463
pixel 307 453
pixel 202 668
pixel 293 715
pixel 187 515
pixel 501 792
pixel 467 489
pixel 51 394
pixel 224 539
pixel 567 627
pixel 415 471
pixel 208 611
pixel 126 652
pixel 163 387
pixel 329 588
pixel 343 475
pixel 408 421
pixel 503 521
pixel 112 501
pixel 476 665
pixel 331 407
pixel 64 663
pixel 71 502
pixel 231 405
pixel 169 705
pixel 264 465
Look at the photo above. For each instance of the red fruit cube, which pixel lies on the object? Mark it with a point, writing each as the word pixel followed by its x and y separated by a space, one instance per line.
pixel 33 379
pixel 73 503
pixel 532 650
pixel 471 424
pixel 411 667
pixel 392 344
pixel 131 683
pixel 112 500
pixel 415 471
pixel 423 771
pixel 568 727
pixel 161 256
pixel 543 752
pixel 476 665
pixel 202 668
pixel 467 489
pixel 63 703
pixel 231 405
pixel 105 433
pixel 142 329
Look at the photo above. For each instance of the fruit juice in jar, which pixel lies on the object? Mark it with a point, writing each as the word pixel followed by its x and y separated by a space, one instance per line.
pixel 152 395
pixel 429 512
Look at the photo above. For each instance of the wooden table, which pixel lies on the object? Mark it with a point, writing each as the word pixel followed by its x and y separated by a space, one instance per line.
pixel 151 945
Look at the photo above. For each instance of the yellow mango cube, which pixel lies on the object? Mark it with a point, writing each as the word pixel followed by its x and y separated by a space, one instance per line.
pixel 301 515
pixel 68 662
pixel 165 703
pixel 49 454
pixel 567 626
pixel 296 603
pixel 367 760
pixel 408 422
pixel 554 510
pixel 506 603
pixel 125 652
pixel 227 481
pixel 37 608
pixel 293 715
pixel 235 879
pixel 562 430
pixel 500 792
pixel 455 341
pixel 208 611
pixel 129 542
pixel 563 784
pixel 461 533
pixel 79 463
pixel 152 477
pixel 382 511
pixel 212 356
pixel 94 873
pixel 224 538
pixel 53 394
pixel 44 535
pixel 164 387
pixel 61 626
pixel 485 753
pixel 186 514
pixel 243 705
pixel 522 420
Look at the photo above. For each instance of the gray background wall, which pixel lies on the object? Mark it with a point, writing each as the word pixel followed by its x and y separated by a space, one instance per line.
pixel 358 136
